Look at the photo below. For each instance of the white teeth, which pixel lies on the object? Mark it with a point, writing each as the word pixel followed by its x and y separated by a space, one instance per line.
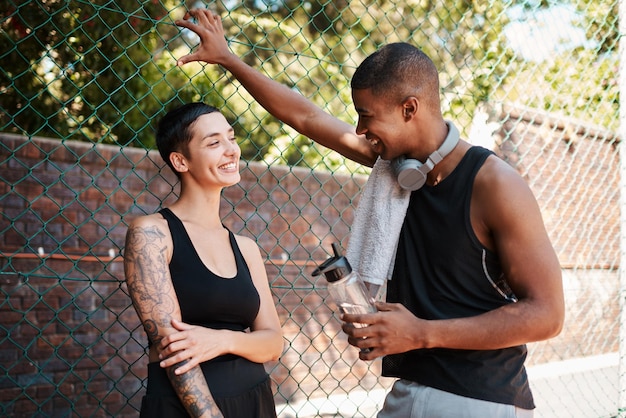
pixel 228 166
pixel 374 142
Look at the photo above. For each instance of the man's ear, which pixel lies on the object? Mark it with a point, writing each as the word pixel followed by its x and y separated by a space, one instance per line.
pixel 410 106
pixel 179 162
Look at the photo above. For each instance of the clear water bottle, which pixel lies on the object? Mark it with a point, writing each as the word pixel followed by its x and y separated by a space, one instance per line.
pixel 345 286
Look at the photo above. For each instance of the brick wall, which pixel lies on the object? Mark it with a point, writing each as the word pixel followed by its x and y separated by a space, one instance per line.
pixel 70 339
pixel 573 170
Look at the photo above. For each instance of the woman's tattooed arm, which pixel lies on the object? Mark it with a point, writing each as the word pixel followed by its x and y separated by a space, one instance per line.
pixel 190 389
pixel 153 296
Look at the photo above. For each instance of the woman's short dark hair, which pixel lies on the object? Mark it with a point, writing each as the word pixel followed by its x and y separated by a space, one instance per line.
pixel 174 129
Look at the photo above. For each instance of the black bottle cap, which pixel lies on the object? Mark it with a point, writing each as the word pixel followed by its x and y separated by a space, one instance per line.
pixel 335 268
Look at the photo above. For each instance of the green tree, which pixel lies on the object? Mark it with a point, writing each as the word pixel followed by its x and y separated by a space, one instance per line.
pixel 579 82
pixel 103 71
pixel 79 69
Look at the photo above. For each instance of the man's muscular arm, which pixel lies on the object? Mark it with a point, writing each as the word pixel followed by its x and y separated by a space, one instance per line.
pixel 146 259
pixel 278 99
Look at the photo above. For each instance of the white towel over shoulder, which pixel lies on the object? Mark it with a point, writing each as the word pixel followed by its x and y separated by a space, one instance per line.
pixel 377 223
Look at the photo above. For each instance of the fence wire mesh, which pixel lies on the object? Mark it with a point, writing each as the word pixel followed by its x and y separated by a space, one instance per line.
pixel 82 83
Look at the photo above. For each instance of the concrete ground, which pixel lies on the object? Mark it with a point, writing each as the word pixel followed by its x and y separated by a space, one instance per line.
pixel 579 388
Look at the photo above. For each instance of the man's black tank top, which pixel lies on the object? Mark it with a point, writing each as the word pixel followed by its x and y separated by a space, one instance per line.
pixel 442 271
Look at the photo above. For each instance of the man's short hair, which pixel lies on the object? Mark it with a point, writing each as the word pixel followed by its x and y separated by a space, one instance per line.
pixel 397 71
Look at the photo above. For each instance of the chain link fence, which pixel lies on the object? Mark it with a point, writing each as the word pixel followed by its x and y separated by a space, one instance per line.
pixel 83 82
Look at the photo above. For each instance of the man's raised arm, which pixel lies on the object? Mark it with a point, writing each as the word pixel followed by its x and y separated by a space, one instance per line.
pixel 282 102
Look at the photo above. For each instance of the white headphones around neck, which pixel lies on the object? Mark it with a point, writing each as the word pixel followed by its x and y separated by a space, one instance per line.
pixel 412 173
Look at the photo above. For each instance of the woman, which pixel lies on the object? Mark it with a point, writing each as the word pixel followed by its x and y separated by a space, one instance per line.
pixel 201 292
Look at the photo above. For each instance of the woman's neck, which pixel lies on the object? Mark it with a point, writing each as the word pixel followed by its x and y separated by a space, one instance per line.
pixel 199 207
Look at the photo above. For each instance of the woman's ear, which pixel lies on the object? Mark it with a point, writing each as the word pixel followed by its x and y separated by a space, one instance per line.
pixel 179 162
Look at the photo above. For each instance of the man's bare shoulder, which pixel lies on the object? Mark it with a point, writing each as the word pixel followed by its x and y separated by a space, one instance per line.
pixel 497 173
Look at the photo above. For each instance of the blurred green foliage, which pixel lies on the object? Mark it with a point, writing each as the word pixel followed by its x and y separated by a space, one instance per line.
pixel 104 71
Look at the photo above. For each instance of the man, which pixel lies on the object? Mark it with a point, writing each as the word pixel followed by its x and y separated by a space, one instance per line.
pixel 475 277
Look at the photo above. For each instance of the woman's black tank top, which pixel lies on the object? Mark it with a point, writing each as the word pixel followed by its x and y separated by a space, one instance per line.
pixel 205 298
pixel 240 387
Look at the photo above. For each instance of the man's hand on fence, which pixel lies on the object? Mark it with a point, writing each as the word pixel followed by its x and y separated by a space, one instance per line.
pixel 213 48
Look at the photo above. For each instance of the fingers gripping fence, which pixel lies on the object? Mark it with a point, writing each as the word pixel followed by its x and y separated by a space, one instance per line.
pixel 82 84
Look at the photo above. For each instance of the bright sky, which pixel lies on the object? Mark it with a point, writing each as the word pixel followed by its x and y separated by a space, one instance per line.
pixel 539 34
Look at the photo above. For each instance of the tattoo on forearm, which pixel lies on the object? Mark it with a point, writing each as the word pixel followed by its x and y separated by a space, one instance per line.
pixel 152 331
pixel 190 388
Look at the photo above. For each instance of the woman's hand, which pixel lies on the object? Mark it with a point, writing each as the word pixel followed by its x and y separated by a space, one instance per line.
pixel 190 346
